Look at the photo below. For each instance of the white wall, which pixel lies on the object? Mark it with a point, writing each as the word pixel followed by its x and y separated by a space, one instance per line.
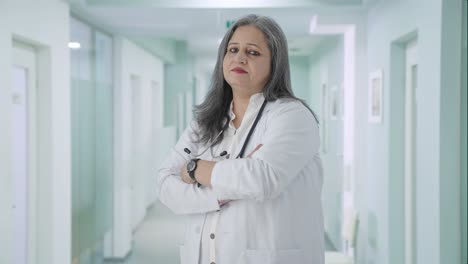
pixel 43 25
pixel 130 205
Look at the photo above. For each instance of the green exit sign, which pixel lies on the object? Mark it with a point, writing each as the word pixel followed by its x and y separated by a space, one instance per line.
pixel 229 23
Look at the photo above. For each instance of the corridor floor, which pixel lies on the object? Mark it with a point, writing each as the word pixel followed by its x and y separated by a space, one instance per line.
pixel 157 239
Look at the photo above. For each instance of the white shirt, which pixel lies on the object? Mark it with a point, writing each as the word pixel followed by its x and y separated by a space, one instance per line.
pixel 275 212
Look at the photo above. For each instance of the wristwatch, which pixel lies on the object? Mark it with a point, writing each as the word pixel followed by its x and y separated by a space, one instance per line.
pixel 191 167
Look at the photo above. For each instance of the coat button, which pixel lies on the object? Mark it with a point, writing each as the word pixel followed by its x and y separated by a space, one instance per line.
pixel 212 236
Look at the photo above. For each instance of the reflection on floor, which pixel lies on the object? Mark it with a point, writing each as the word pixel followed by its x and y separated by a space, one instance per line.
pixel 157 239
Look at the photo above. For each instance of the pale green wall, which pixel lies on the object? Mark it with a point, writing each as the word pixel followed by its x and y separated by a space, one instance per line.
pixel 326 66
pixel 450 63
pixel 43 25
pixel 178 79
pixel 463 136
pixel 299 67
pixel 202 71
pixel 396 148
pixel 314 84
pixel 162 48
pixel 437 241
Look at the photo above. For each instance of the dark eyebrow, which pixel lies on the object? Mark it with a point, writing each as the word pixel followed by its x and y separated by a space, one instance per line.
pixel 251 44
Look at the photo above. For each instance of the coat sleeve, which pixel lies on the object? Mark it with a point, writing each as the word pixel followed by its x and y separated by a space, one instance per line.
pixel 178 196
pixel 290 142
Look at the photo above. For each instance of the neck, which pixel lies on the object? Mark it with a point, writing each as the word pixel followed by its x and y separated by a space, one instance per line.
pixel 240 104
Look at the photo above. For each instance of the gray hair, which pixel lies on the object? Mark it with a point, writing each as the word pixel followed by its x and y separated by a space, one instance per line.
pixel 212 113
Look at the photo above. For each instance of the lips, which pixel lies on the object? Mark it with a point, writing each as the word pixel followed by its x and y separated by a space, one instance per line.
pixel 238 70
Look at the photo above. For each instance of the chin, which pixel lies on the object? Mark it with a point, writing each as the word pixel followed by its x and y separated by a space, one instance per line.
pixel 236 83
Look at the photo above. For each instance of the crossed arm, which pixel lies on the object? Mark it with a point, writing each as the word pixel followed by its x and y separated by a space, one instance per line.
pixel 291 142
pixel 204 170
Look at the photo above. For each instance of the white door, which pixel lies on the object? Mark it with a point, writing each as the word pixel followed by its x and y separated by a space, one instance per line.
pixel 23 152
pixel 410 150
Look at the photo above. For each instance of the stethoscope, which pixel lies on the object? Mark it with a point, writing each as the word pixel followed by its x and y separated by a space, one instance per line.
pixel 224 153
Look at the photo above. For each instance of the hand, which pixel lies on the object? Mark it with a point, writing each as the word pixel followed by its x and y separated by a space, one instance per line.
pixel 255 149
pixel 185 176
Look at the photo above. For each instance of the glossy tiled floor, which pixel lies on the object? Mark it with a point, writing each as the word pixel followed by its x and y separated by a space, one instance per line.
pixel 157 239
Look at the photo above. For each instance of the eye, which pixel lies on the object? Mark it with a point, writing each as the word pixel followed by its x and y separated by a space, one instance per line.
pixel 233 50
pixel 254 52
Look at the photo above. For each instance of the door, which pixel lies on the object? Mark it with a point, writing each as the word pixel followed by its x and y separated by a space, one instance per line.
pixel 411 78
pixel 23 152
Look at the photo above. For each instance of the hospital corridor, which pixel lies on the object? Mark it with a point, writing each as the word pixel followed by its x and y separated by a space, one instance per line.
pixel 95 94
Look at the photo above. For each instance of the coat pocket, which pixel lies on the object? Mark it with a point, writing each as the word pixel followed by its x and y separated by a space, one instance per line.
pixel 272 257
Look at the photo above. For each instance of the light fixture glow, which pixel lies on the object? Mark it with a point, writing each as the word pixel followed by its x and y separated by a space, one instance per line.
pixel 74 45
pixel 313 24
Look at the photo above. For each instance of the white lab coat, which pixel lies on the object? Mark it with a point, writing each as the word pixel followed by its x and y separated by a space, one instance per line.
pixel 276 214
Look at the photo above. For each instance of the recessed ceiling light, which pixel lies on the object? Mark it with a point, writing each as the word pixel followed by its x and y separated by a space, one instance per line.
pixel 74 45
pixel 313 24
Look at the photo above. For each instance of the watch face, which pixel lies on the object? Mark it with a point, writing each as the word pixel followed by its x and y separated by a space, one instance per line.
pixel 191 165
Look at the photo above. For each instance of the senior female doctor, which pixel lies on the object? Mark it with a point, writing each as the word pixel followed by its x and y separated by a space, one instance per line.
pixel 247 172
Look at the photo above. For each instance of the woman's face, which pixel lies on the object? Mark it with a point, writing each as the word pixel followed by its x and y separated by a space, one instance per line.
pixel 247 63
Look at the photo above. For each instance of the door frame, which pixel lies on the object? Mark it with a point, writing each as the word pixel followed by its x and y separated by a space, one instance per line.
pixel 351 36
pixel 410 151
pixel 25 56
pixel 396 184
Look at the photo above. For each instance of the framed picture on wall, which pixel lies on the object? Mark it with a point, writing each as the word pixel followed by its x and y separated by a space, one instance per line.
pixel 375 99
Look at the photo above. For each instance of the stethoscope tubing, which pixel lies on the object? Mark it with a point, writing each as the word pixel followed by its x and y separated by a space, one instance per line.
pixel 246 141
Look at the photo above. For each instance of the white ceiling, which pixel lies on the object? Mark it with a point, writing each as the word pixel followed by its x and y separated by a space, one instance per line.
pixel 202 23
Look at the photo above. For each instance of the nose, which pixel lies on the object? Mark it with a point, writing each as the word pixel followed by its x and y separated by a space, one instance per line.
pixel 241 58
